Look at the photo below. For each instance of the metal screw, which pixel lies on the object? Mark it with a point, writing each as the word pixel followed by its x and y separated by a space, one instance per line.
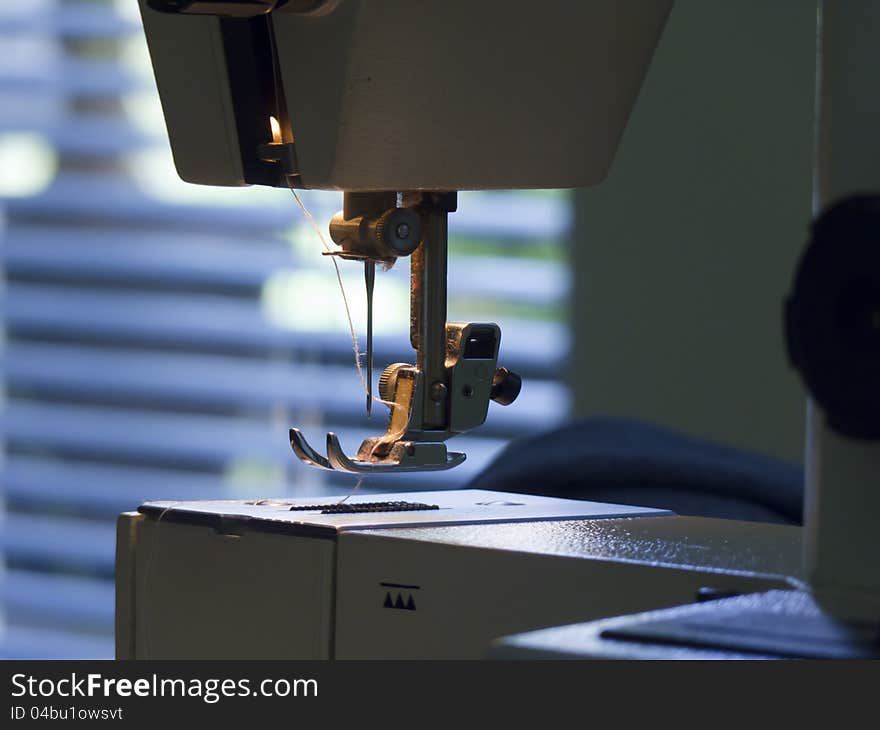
pixel 402 230
pixel 438 391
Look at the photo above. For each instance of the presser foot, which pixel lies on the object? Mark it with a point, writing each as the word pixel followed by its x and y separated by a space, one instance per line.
pixel 404 456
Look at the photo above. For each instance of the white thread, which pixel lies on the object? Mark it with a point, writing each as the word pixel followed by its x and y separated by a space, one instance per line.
pixel 354 339
pixel 356 487
pixel 148 579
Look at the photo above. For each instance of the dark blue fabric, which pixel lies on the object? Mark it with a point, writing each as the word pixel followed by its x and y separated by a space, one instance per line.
pixel 629 462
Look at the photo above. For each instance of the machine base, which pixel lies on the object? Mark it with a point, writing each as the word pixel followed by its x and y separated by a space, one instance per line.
pixel 440 578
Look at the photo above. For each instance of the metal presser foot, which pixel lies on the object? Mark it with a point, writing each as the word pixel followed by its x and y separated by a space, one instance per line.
pixel 414 457
pixel 448 390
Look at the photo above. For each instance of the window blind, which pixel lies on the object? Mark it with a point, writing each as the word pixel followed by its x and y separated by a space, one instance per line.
pixel 159 339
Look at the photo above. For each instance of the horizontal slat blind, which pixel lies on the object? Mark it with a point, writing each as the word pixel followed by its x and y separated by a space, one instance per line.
pixel 159 339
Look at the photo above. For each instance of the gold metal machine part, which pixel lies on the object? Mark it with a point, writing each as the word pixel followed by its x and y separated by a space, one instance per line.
pixel 448 389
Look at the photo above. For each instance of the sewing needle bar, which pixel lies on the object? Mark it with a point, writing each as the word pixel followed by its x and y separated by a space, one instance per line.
pixel 370 278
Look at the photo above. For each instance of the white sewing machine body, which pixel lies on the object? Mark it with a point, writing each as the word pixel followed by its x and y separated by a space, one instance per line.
pixel 399 107
pixel 239 579
pixel 371 98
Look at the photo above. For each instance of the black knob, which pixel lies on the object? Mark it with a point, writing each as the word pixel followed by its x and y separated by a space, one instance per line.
pixel 832 318
pixel 506 386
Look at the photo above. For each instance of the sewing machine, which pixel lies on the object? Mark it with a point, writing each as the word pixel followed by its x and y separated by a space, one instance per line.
pixel 400 108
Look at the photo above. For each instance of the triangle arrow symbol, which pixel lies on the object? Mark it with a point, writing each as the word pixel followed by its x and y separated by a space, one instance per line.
pixel 387 603
pixel 411 604
pixel 399 602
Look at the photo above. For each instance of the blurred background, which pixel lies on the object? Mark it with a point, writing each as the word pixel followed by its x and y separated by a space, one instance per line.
pixel 160 338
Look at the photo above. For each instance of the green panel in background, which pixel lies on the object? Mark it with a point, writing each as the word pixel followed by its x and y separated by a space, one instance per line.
pixel 684 255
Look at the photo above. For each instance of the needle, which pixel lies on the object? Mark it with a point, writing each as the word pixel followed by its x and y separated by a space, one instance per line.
pixel 370 278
